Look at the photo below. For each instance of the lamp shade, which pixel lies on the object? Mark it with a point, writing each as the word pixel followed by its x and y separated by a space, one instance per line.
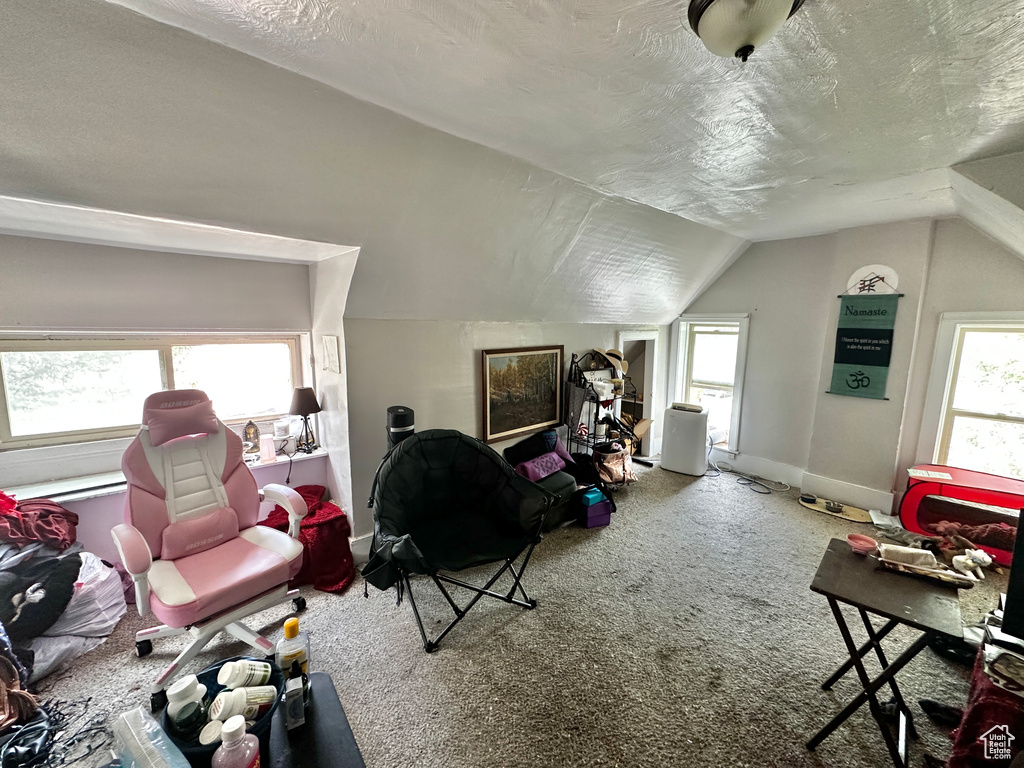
pixel 304 402
pixel 736 27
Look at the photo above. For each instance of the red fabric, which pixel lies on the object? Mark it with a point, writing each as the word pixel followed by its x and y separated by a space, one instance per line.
pixel 326 556
pixel 998 535
pixel 38 520
pixel 988 707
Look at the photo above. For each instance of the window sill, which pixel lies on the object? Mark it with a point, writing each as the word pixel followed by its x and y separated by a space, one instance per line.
pixel 111 483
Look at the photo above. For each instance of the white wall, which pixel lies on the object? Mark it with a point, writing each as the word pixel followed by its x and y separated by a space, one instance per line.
pixel 854 440
pixel 62 285
pixel 329 288
pixel 1002 175
pixel 969 272
pixel 850 448
pixel 784 285
pixel 435 369
pixel 108 109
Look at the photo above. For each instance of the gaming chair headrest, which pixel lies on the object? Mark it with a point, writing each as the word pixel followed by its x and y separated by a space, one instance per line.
pixel 176 413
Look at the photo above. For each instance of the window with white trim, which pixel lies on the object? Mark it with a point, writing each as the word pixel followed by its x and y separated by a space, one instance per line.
pixel 982 421
pixel 711 357
pixel 71 390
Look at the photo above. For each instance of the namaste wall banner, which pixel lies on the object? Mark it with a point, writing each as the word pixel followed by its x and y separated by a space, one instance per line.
pixel 864 345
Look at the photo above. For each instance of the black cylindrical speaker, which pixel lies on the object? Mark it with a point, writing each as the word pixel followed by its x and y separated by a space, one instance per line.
pixel 401 424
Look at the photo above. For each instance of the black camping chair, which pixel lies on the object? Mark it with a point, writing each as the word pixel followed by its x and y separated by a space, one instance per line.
pixel 443 501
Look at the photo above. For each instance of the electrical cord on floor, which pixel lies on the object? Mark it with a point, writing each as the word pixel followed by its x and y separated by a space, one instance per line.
pixel 756 483
pixel 714 467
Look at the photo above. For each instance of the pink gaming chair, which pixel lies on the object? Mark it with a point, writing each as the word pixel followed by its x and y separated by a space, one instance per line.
pixel 190 541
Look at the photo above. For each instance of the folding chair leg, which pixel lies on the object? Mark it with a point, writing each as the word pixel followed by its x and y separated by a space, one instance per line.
pixel 447 596
pixel 485 591
pixel 428 646
pixel 530 603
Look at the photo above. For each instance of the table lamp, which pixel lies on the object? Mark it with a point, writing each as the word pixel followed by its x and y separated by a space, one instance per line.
pixel 303 404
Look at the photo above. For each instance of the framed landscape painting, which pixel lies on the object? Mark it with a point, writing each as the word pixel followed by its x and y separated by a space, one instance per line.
pixel 522 391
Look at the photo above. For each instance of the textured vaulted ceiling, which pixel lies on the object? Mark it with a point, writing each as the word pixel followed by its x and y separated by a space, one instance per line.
pixel 836 122
pixel 579 161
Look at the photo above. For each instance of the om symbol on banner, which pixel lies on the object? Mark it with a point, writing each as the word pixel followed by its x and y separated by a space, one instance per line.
pixel 857 380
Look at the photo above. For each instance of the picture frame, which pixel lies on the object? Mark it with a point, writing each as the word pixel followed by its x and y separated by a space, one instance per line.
pixel 522 391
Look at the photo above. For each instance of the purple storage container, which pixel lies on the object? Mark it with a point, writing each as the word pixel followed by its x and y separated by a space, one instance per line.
pixel 597 514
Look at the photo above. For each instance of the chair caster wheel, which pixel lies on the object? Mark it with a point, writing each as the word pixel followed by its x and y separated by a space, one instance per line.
pixel 157 701
pixel 533 603
pixel 299 604
pixel 430 647
pixel 143 648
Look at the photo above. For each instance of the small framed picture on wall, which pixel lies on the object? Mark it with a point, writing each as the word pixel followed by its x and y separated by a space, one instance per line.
pixel 522 391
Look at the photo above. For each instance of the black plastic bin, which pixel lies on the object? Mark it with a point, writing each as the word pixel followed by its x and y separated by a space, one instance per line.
pixel 198 755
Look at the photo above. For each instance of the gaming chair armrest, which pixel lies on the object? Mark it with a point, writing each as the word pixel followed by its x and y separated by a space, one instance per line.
pixel 137 559
pixel 289 500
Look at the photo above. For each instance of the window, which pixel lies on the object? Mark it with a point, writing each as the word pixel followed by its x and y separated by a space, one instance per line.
pixel 711 356
pixel 74 390
pixel 982 423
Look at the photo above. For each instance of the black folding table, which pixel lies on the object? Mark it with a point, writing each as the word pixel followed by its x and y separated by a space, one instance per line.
pixel 934 609
pixel 325 741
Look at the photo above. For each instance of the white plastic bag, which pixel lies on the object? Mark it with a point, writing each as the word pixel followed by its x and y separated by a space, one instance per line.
pixel 52 653
pixel 97 604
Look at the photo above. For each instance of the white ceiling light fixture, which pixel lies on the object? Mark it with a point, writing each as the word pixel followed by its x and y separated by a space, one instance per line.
pixel 736 27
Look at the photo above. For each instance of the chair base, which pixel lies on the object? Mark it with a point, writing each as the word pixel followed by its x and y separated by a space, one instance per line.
pixel 204 631
pixel 431 645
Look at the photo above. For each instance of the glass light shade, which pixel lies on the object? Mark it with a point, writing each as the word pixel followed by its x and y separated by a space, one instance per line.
pixel 729 27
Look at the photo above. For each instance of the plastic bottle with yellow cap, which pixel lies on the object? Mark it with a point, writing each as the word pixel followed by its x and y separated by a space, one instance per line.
pixel 294 647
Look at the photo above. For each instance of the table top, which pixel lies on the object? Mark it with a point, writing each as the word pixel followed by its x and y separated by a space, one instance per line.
pixel 861 581
pixel 325 741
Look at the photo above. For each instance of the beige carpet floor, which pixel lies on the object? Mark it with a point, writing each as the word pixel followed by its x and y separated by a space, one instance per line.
pixel 684 634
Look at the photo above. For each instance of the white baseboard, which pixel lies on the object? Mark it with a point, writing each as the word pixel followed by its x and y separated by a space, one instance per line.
pixel 847 493
pixel 826 487
pixel 755 465
pixel 361 548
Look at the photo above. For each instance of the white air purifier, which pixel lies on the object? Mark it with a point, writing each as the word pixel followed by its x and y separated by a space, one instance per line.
pixel 684 446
